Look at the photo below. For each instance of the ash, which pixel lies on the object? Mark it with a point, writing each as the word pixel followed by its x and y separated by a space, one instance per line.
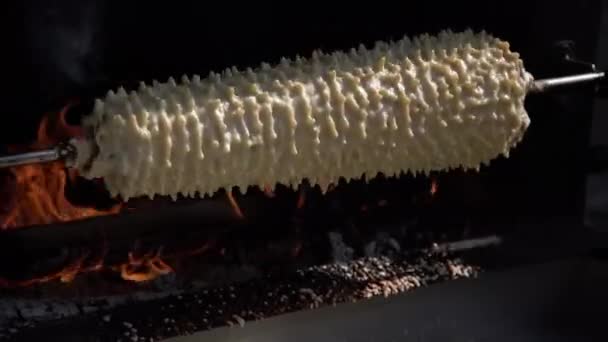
pixel 239 303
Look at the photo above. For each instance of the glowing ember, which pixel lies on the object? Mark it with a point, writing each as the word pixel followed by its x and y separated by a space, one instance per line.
pixel 36 193
pixel 301 198
pixel 200 250
pixel 146 268
pixel 65 275
pixel 235 206
pixel 268 192
pixel 434 186
pixel 137 269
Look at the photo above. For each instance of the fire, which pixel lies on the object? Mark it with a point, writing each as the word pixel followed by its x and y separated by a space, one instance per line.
pixel 268 191
pixel 145 268
pixel 36 193
pixel 301 198
pixel 65 275
pixel 434 186
pixel 139 266
pixel 235 206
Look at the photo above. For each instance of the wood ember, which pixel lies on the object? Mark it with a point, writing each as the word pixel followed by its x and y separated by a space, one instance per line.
pixel 328 252
pixel 238 303
pixel 56 301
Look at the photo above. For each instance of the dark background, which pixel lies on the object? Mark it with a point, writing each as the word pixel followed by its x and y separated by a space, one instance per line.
pixel 64 50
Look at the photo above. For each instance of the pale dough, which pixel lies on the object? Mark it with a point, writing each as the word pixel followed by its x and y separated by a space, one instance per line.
pixel 431 103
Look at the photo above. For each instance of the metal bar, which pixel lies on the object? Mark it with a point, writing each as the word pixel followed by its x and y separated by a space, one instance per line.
pixel 548 83
pixel 43 156
pixel 463 245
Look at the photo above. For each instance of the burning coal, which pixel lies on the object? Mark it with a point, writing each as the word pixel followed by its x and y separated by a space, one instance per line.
pixel 138 268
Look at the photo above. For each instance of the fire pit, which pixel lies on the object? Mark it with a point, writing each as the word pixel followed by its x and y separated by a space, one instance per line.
pixel 78 264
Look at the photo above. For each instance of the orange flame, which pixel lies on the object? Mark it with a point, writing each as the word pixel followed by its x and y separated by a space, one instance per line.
pixel 145 268
pixel 65 275
pixel 37 195
pixel 301 198
pixel 434 186
pixel 235 206
pixel 137 269
pixel 268 191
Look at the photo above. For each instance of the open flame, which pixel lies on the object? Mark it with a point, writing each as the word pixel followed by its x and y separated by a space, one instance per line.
pixel 434 186
pixel 235 206
pixel 146 267
pixel 140 265
pixel 36 193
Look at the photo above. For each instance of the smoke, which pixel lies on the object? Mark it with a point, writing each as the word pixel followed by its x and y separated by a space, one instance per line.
pixel 66 42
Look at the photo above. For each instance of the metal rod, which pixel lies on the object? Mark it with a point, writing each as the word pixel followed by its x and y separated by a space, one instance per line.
pixel 548 83
pixel 43 156
pixel 464 245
